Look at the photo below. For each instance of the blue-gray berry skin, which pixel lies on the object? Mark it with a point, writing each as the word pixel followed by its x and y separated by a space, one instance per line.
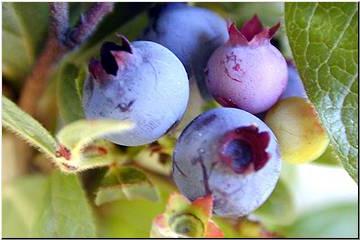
pixel 295 87
pixel 142 82
pixel 191 33
pixel 230 154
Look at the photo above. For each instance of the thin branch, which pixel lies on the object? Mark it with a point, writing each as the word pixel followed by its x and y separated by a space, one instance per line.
pixel 36 82
pixel 58 44
pixel 88 23
pixel 59 19
pixel 56 47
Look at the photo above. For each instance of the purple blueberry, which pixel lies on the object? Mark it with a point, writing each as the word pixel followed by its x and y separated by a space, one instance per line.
pixel 191 33
pixel 230 154
pixel 247 72
pixel 295 87
pixel 142 82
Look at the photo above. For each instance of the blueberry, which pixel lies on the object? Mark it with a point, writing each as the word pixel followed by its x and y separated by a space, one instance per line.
pixel 230 154
pixel 142 82
pixel 191 33
pixel 247 72
pixel 295 87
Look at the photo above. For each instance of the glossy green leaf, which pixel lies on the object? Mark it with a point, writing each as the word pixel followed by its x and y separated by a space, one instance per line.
pixel 27 128
pixel 125 183
pixel 336 221
pixel 24 29
pixel 322 39
pixel 65 209
pixel 279 208
pixel 69 92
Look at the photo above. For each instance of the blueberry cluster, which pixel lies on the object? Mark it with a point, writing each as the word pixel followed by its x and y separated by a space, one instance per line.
pixel 226 152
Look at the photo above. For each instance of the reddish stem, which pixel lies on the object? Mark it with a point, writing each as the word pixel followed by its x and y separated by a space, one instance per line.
pixel 58 44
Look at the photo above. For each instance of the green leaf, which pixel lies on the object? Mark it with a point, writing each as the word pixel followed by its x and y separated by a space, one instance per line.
pixel 24 126
pixel 125 183
pixel 22 201
pixel 69 92
pixel 336 221
pixel 97 154
pixel 321 36
pixel 24 28
pixel 82 132
pixel 156 162
pixel 40 206
pixel 279 209
pixel 81 147
pixel 157 156
pixel 79 81
pixel 65 210
pixel 129 219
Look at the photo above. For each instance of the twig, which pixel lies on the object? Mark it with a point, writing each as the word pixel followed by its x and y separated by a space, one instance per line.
pixel 88 23
pixel 58 44
pixel 59 19
pixel 35 83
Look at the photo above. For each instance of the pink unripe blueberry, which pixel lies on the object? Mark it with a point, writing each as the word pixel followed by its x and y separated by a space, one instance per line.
pixel 247 72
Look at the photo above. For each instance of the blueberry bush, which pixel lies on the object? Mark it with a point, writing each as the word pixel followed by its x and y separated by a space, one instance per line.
pixel 194 119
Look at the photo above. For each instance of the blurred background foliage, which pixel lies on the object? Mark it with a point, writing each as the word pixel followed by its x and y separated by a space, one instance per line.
pixel 40 202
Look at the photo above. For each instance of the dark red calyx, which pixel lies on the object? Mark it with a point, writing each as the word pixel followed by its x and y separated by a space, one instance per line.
pixel 63 151
pixel 252 32
pixel 244 149
pixel 107 58
pixel 96 70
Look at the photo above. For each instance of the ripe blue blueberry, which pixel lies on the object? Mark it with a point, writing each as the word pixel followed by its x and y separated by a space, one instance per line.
pixel 295 87
pixel 247 72
pixel 191 33
pixel 142 82
pixel 230 154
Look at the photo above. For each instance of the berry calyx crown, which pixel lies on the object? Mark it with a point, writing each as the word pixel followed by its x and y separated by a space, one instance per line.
pixel 244 149
pixel 251 33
